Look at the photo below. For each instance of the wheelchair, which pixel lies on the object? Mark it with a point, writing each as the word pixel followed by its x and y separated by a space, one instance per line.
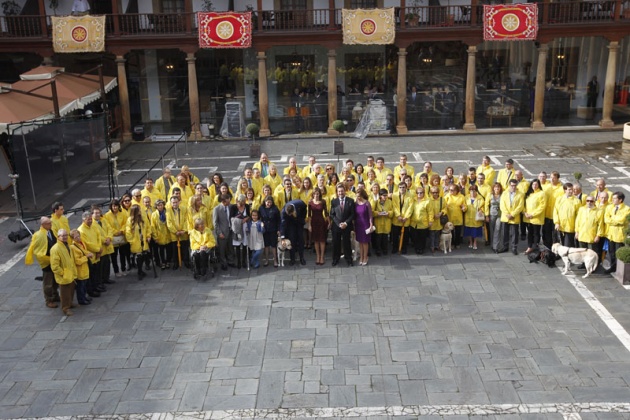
pixel 204 263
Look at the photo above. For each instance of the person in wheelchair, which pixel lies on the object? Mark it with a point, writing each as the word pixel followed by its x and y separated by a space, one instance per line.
pixel 202 245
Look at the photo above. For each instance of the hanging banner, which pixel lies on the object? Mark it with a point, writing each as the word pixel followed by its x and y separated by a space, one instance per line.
pixel 510 22
pixel 369 26
pixel 225 29
pixel 73 34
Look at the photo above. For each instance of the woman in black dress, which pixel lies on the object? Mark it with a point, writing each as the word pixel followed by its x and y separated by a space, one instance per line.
pixel 317 213
pixel 270 216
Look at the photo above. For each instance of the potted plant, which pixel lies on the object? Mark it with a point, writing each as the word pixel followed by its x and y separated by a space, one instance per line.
pixel 622 274
pixel 11 9
pixel 338 126
pixel 412 18
pixel 207 6
pixel 413 13
pixel 254 149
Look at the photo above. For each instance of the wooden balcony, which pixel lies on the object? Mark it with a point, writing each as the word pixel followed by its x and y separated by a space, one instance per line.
pixel 149 25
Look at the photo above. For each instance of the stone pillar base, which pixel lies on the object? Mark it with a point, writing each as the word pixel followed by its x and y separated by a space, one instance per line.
pixel 606 123
pixel 538 125
pixel 264 132
pixel 402 129
pixel 332 132
pixel 126 137
pixel 195 135
pixel 470 127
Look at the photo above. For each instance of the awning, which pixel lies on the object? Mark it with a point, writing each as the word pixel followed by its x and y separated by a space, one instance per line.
pixel 74 91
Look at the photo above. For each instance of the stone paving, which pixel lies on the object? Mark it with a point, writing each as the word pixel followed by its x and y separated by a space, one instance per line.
pixel 461 335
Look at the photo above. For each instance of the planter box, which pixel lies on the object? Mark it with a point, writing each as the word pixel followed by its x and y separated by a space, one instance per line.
pixel 585 113
pixel 254 150
pixel 623 272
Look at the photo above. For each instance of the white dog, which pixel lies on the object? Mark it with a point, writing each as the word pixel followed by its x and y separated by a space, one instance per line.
pixel 283 245
pixel 446 237
pixel 569 256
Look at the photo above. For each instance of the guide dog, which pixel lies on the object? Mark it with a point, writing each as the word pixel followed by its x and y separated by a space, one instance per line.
pixel 446 237
pixel 569 256
pixel 283 245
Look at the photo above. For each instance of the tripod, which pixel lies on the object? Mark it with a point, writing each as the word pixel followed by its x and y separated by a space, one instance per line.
pixel 24 232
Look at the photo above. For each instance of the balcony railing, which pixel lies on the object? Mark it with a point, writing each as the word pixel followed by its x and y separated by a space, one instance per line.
pixel 410 18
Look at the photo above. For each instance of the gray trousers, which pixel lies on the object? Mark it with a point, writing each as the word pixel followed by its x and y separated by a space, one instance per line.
pixel 225 250
pixel 510 236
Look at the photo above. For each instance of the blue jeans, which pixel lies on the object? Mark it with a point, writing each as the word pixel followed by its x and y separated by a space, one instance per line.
pixel 255 260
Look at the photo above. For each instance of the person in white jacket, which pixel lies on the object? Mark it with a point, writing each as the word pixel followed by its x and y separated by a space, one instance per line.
pixel 255 240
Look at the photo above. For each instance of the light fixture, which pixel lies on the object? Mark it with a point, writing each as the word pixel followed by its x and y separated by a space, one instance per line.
pixel 170 67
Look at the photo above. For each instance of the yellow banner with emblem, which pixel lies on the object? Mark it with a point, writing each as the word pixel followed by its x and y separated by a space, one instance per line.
pixel 369 26
pixel 72 34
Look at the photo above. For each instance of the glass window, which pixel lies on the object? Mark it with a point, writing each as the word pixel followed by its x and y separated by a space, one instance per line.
pixel 173 6
pixel 363 4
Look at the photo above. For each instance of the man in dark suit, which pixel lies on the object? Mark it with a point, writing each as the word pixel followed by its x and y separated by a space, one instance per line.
pixel 223 232
pixel 292 220
pixel 342 215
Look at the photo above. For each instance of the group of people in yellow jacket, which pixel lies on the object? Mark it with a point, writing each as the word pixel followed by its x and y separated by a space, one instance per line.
pixel 172 216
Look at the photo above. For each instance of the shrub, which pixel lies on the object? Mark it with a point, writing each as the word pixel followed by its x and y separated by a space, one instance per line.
pixel 623 254
pixel 338 125
pixel 252 129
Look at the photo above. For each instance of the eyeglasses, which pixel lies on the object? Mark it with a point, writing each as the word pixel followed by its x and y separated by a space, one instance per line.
pixel 138 196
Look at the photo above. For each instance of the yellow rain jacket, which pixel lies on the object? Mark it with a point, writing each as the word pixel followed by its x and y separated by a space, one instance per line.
pixel 91 238
pixel 106 232
pixel 472 209
pixel 589 224
pixel 455 212
pixel 159 229
pixel 39 249
pixel 383 222
pixel 176 222
pixel 552 193
pixel 615 220
pixel 79 254
pixel 404 211
pixel 198 239
pixel 132 233
pixel 514 208
pixel 62 264
pixel 565 212
pixel 535 205
pixel 422 214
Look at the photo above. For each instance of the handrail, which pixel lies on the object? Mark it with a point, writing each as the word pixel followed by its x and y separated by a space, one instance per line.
pixel 408 18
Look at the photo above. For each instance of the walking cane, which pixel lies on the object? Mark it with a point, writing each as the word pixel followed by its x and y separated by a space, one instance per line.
pixel 247 256
pixel 152 260
pixel 402 236
pixel 179 253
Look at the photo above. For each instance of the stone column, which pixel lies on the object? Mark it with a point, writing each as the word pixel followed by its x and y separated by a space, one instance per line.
pixel 263 95
pixel 539 99
pixel 609 86
pixel 332 91
pixel 123 93
pixel 469 124
pixel 193 97
pixel 401 92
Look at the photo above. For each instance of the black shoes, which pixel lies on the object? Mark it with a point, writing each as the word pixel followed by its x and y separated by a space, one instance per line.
pixel 350 263
pixel 224 267
pixel 141 275
pixel 302 261
pixel 515 252
pixel 109 281
pixel 94 294
pixel 334 263
pixel 292 263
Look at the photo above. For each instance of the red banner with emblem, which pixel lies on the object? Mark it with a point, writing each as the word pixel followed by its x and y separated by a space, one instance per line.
pixel 510 22
pixel 225 29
